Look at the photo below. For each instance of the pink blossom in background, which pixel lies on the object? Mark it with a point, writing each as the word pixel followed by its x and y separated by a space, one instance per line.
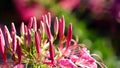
pixel 97 6
pixel 27 9
pixel 69 5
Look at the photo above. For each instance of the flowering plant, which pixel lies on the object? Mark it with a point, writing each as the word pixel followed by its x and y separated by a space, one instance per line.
pixel 38 47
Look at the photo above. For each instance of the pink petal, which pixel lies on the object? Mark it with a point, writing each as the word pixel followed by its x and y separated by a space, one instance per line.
pixel 67 63
pixel 19 66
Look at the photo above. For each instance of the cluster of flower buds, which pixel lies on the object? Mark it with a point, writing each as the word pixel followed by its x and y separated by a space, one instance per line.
pixel 38 46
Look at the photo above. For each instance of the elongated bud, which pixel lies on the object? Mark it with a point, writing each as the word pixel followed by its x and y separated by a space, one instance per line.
pixel 30 23
pixel 19 53
pixel 13 35
pixel 49 34
pixel 7 36
pixel 29 37
pixel 49 18
pixel 13 28
pixel 37 43
pixel 2 49
pixel 51 50
pixel 14 42
pixel 69 35
pixel 34 24
pixel 56 26
pixel 61 27
pixel 22 30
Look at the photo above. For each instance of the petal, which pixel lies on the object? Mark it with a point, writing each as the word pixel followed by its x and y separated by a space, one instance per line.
pixel 67 63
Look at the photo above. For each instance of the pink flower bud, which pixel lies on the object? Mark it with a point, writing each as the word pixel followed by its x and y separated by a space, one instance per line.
pixel 51 50
pixel 13 35
pixel 30 23
pixel 69 35
pixel 19 53
pixel 14 42
pixel 56 26
pixel 7 36
pixel 13 28
pixel 49 18
pixel 22 29
pixel 61 27
pixel 49 34
pixel 34 24
pixel 29 37
pixel 37 42
pixel 2 44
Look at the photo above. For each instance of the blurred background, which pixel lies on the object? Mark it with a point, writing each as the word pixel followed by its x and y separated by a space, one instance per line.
pixel 96 23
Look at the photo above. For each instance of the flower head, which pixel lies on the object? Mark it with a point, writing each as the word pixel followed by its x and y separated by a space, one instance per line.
pixel 36 46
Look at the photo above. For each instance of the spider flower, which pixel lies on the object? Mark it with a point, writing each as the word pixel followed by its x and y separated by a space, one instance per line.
pixel 37 47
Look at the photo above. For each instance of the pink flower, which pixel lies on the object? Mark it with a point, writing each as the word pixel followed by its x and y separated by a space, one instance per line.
pixel 69 5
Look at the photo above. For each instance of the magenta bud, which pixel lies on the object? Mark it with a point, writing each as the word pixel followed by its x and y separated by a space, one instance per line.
pixel 49 34
pixel 2 49
pixel 29 37
pixel 49 18
pixel 19 52
pixel 69 35
pixel 30 23
pixel 56 26
pixel 7 36
pixel 61 27
pixel 34 24
pixel 13 28
pixel 14 42
pixel 51 50
pixel 22 30
pixel 37 42
pixel 25 29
